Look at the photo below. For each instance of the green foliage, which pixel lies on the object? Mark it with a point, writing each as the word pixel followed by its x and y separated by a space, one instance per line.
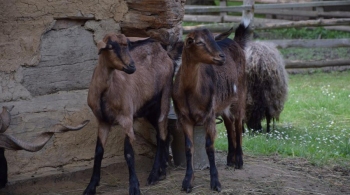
pixel 314 123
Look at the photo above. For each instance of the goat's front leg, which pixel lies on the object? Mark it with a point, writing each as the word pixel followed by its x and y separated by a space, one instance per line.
pixel 103 130
pixel 126 122
pixel 188 133
pixel 134 186
pixel 209 146
pixel 3 168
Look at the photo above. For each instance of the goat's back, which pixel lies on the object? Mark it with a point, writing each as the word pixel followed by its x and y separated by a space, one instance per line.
pixel 153 75
pixel 229 79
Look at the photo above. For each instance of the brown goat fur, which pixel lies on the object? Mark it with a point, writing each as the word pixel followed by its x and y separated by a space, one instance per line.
pixel 132 79
pixel 211 83
pixel 267 81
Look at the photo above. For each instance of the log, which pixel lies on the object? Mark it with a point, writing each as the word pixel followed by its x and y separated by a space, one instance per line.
pixel 202 18
pixel 221 27
pixel 314 14
pixel 316 64
pixel 308 23
pixel 328 43
pixel 204 9
pixel 218 27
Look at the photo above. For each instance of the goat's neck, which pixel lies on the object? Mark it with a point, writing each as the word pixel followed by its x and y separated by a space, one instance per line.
pixel 190 73
pixel 102 75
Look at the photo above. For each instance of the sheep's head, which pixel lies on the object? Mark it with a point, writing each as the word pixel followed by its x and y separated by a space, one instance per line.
pixel 115 48
pixel 202 47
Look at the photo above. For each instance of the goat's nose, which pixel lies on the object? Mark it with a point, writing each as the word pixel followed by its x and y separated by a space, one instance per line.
pixel 222 55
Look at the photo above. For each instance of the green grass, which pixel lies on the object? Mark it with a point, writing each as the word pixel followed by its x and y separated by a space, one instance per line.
pixel 315 123
pixel 301 33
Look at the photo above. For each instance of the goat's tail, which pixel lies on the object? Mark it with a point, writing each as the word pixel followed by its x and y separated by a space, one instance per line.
pixel 242 33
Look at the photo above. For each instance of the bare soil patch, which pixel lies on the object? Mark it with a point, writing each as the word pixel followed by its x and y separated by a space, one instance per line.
pixel 260 175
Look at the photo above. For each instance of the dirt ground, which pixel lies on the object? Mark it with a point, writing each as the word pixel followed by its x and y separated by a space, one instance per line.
pixel 260 175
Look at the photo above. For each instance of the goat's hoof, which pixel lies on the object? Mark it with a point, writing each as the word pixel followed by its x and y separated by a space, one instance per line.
pixel 162 176
pixel 153 179
pixel 134 190
pixel 187 189
pixel 186 186
pixel 89 191
pixel 215 185
pixel 239 162
pixel 134 186
pixel 230 163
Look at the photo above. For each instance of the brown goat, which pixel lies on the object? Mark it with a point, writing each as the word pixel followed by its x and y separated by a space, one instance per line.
pixel 132 79
pixel 211 83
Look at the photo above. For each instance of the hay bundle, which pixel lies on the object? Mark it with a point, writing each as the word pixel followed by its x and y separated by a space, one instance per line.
pixel 267 82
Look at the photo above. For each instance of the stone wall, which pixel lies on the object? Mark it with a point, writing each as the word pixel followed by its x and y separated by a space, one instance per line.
pixel 47 56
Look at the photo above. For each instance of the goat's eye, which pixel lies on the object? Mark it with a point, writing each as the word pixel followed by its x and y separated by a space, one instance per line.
pixel 190 41
pixel 200 43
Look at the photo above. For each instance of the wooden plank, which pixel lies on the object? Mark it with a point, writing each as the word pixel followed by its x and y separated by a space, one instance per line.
pixel 201 18
pixel 221 27
pixel 314 14
pixel 315 64
pixel 327 43
pixel 201 9
pixel 256 20
pixel 305 23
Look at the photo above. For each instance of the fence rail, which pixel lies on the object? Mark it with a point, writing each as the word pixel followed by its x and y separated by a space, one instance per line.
pixel 206 9
pixel 220 27
pixel 343 19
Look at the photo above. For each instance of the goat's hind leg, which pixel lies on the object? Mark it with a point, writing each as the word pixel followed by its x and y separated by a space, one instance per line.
pixel 238 140
pixel 229 125
pixel 158 171
pixel 103 131
pixel 158 117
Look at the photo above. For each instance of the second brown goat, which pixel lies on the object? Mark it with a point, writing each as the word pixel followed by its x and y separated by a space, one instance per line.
pixel 211 83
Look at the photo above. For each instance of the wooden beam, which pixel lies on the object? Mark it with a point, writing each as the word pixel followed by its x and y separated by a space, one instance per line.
pixel 315 64
pixel 202 18
pixel 201 9
pixel 328 43
pixel 221 27
pixel 314 14
pixel 305 23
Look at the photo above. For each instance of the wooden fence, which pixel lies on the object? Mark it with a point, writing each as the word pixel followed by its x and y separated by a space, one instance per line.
pixel 222 22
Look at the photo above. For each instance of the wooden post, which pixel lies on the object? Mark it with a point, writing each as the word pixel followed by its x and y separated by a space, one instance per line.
pixel 249 14
pixel 223 14
pixel 319 11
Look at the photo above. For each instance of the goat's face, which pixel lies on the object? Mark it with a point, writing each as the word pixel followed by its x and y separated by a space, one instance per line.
pixel 115 49
pixel 201 47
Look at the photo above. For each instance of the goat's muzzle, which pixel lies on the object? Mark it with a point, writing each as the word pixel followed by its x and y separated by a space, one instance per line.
pixel 220 60
pixel 129 69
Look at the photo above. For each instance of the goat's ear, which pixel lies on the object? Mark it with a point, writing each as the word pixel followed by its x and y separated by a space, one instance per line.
pixel 223 35
pixel 135 39
pixel 101 45
pixel 189 42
